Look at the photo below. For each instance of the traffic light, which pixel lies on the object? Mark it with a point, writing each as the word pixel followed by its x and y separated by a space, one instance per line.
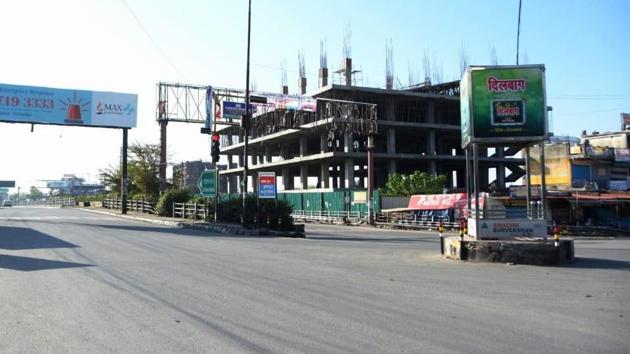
pixel 216 147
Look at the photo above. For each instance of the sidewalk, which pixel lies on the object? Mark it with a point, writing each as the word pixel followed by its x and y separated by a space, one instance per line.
pixel 223 228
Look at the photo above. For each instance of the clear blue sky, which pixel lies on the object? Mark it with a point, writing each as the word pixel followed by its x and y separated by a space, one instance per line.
pixel 99 45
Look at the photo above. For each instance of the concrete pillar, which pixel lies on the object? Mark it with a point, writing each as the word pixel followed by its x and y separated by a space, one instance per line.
pixel 303 145
pixel 391 140
pixel 391 167
pixel 240 160
pixel 335 176
pixel 324 175
pixel 432 168
pixel 284 151
pixel 390 110
pixel 261 159
pixel 347 142
pixel 348 173
pixel 431 148
pixel 229 159
pixel 431 118
pixel 232 184
pixel 304 177
pixel 323 143
pixel 267 154
pixel 287 179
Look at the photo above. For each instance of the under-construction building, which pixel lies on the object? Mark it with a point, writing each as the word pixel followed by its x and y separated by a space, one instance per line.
pixel 418 128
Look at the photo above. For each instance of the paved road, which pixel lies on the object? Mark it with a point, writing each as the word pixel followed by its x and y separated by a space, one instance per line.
pixel 72 281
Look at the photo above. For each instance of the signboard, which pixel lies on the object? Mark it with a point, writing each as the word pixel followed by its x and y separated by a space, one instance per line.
pixel 235 110
pixel 8 184
pixel 490 229
pixel 622 155
pixel 267 185
pixel 43 105
pixel 230 110
pixel 4 190
pixel 207 183
pixel 625 121
pixel 618 185
pixel 359 197
pixel 557 165
pixel 503 104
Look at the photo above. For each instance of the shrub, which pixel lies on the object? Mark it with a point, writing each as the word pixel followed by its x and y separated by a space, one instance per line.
pixel 165 204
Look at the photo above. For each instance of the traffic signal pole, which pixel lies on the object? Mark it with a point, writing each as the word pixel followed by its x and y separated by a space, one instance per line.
pixel 246 119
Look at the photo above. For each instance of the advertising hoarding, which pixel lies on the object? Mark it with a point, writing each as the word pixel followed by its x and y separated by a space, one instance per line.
pixel 44 105
pixel 267 185
pixel 501 104
pixel 557 165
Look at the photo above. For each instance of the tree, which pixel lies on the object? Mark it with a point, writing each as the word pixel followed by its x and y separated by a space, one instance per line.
pixel 35 193
pixel 143 170
pixel 415 183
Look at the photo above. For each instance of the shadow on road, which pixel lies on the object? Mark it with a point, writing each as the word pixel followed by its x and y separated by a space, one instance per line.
pixel 28 264
pixel 21 238
pixel 166 229
pixel 598 263
pixel 369 239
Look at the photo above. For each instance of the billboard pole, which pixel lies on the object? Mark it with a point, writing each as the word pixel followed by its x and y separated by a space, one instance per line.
pixel 543 184
pixel 528 174
pixel 476 185
pixel 123 178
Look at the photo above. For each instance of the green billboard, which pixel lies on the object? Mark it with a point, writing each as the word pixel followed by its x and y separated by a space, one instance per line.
pixel 503 104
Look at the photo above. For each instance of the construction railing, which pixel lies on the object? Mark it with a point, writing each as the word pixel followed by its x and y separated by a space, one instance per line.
pixel 133 205
pixel 189 211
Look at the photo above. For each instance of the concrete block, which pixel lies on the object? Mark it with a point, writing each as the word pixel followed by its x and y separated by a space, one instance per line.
pixel 509 251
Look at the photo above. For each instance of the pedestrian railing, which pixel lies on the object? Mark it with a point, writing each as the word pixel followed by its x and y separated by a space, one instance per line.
pixel 412 221
pixel 330 216
pixel 192 211
pixel 141 206
pixel 50 202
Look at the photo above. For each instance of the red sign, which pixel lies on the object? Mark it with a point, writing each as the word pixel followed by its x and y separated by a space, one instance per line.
pixel 437 201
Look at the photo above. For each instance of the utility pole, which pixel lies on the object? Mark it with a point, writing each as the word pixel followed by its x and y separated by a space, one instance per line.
pixel 518 30
pixel 245 121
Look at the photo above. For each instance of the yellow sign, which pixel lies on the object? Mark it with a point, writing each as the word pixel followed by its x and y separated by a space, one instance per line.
pixel 557 165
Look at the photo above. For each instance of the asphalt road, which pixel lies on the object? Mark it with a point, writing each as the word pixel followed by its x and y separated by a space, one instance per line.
pixel 73 281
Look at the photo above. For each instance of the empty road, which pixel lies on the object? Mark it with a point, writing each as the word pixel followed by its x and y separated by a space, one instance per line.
pixel 73 281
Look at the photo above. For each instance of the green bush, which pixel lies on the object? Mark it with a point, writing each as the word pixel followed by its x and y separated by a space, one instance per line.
pixel 273 214
pixel 165 204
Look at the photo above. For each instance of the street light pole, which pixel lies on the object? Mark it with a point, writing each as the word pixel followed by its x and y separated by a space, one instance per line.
pixel 246 119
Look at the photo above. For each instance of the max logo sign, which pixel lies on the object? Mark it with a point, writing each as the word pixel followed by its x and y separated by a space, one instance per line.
pixel 105 108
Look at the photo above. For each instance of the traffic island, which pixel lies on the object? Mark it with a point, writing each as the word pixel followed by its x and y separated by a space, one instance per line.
pixel 534 252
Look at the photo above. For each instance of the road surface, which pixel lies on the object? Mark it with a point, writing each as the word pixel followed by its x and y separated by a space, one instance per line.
pixel 73 281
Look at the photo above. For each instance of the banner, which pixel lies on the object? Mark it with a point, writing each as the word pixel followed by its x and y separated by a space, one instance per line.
pixel 503 103
pixel 437 201
pixel 43 105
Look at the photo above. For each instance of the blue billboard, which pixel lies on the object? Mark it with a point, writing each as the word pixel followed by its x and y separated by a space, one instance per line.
pixel 44 105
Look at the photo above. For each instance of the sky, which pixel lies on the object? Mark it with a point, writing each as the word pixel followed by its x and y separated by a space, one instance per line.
pixel 130 45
